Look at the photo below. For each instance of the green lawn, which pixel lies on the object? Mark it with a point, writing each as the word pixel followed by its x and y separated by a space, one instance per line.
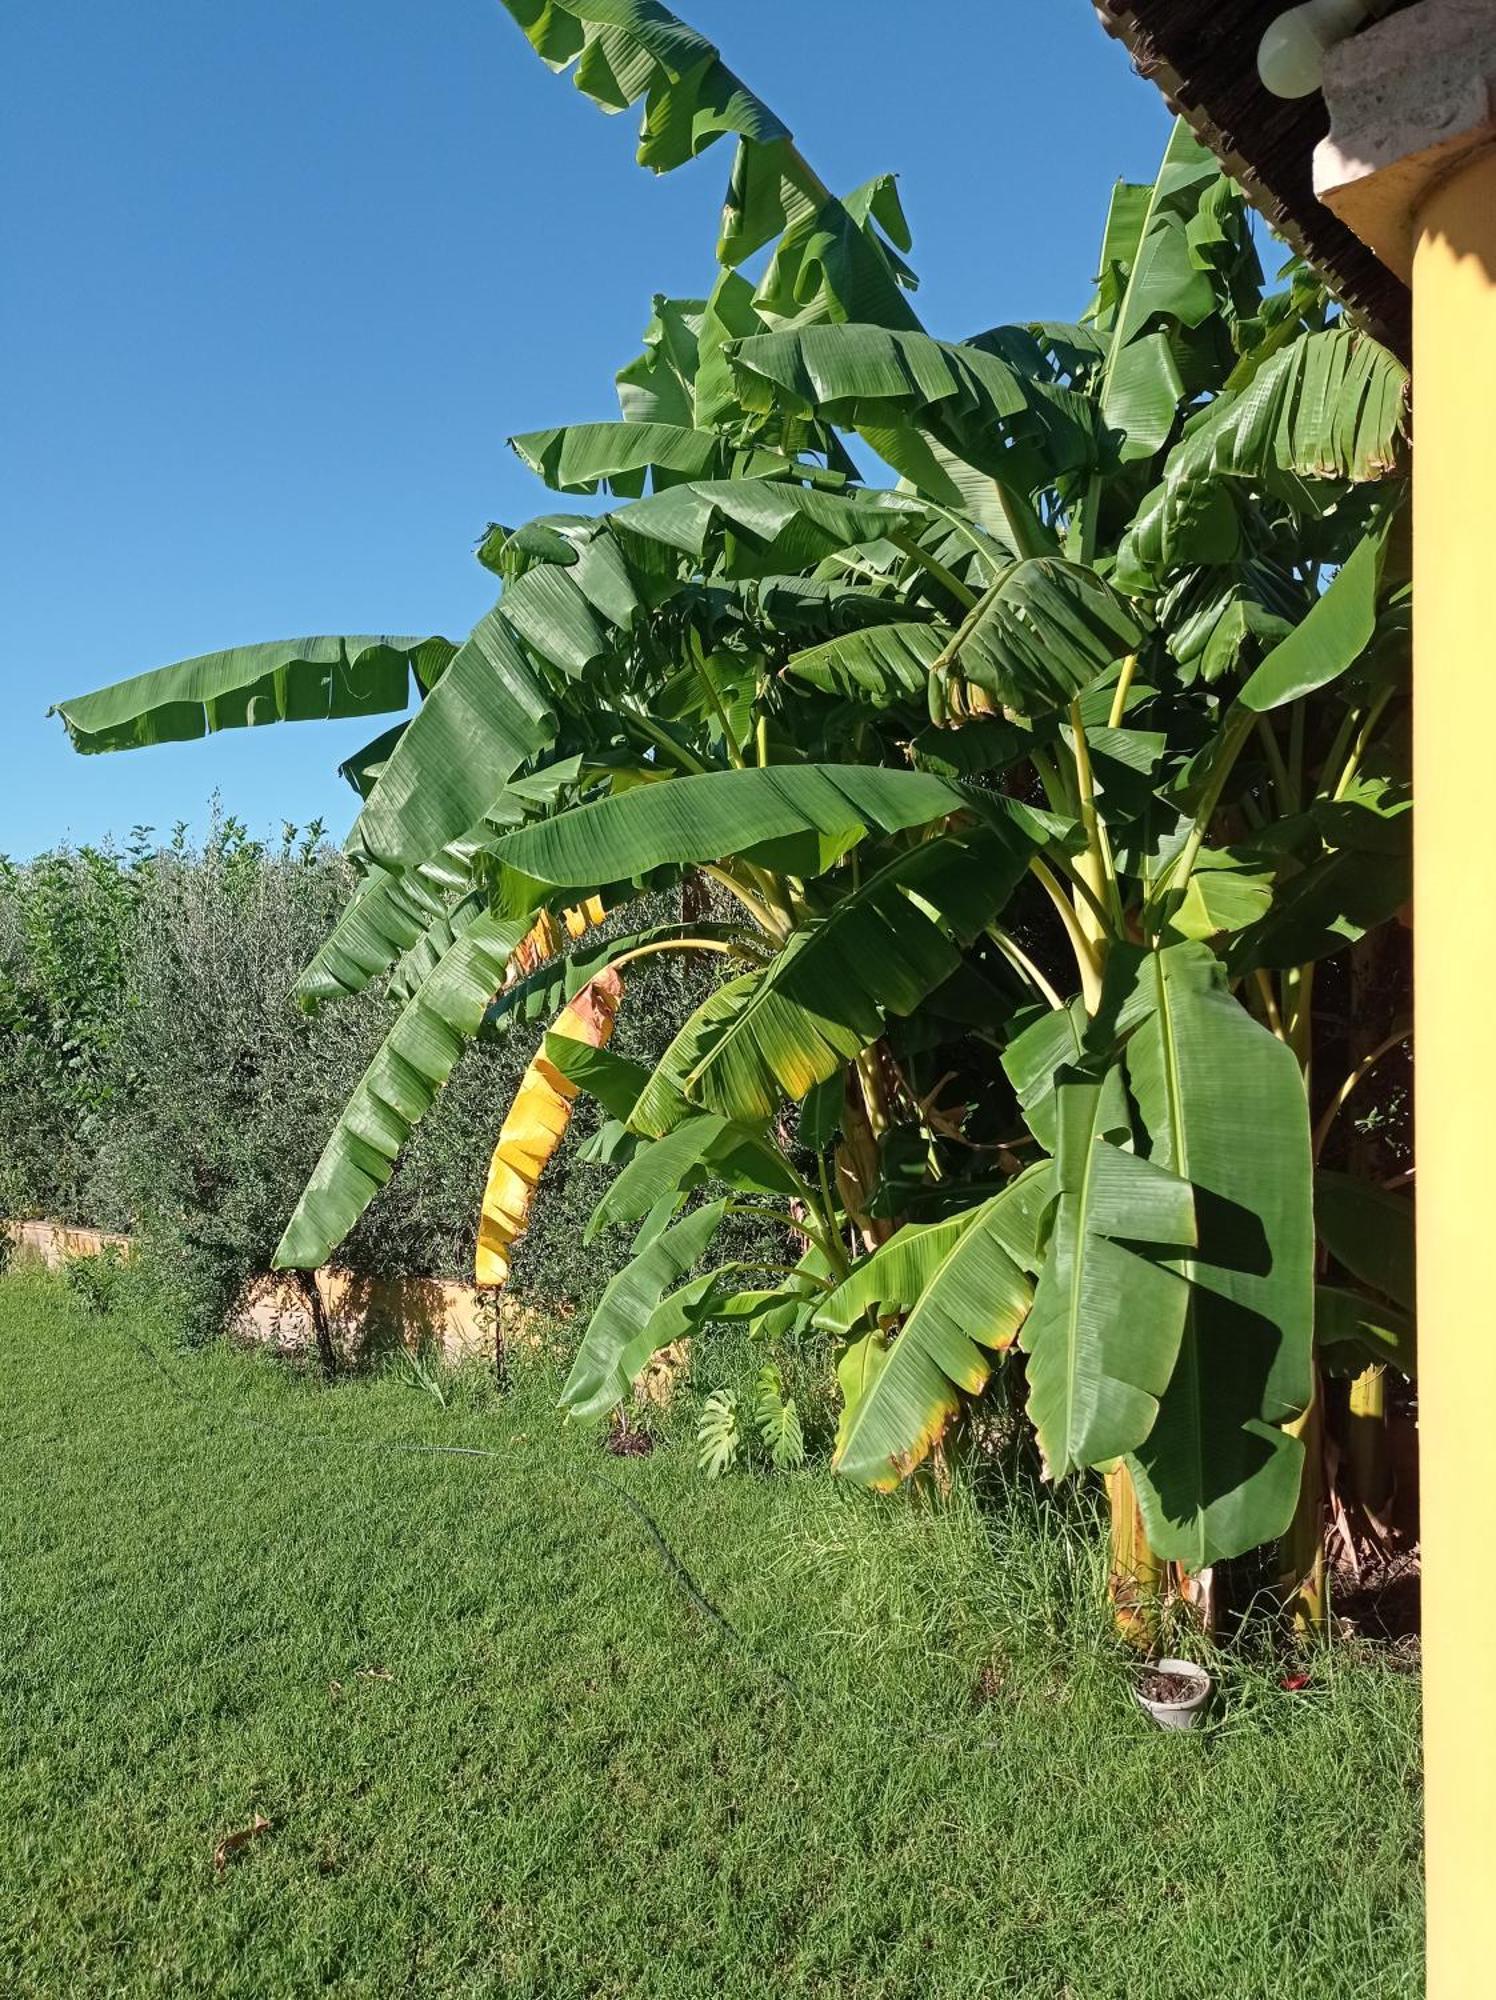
pixel 503 1751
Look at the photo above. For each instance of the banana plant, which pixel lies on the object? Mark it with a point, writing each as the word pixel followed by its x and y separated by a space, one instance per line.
pixel 1037 780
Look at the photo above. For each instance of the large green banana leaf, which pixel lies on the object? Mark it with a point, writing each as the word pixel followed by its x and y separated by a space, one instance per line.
pixel 970 1295
pixel 618 1340
pixel 364 766
pixel 792 527
pixel 486 716
pixel 1217 620
pixel 881 665
pixel 628 50
pixel 1156 289
pixel 1224 1107
pixel 891 1278
pixel 1354 871
pixel 286 680
pixel 800 818
pixel 1021 432
pixel 1353 1330
pixel 1332 406
pixel 1107 1319
pixel 885 947
pixel 1330 638
pixel 386 916
pixel 541 994
pixel 580 458
pixel 700 1146
pixel 659 385
pixel 398 1088
pixel 1369 1231
pixel 1043 632
pixel 1053 1041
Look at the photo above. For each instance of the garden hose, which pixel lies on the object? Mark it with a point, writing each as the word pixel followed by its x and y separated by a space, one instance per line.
pixel 675 1568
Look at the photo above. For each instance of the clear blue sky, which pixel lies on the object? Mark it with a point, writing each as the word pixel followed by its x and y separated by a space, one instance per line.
pixel 281 278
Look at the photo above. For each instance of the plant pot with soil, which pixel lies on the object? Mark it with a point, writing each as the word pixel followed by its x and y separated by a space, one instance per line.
pixel 1174 1692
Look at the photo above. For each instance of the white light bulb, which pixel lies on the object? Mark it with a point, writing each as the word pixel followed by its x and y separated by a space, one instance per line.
pixel 1291 55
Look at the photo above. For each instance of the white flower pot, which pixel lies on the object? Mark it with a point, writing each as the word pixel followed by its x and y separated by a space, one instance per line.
pixel 1185 1710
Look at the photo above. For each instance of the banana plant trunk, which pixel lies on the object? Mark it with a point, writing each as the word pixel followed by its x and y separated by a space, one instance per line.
pixel 864 1117
pixel 1368 1466
pixel 1301 1579
pixel 1138 1578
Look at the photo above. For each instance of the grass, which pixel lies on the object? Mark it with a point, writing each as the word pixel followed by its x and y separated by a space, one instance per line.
pixel 503 1751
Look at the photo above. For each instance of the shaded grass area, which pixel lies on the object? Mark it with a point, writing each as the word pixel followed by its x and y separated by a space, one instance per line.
pixel 504 1751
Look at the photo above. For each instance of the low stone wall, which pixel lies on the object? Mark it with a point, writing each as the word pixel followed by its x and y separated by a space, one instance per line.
pixel 370 1314
pixel 53 1243
pixel 365 1314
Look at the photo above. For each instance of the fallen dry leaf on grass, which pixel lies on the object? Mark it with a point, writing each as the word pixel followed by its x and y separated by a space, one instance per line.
pixel 232 1842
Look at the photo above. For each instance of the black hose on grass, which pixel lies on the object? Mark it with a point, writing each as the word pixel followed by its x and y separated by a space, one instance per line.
pixel 677 1570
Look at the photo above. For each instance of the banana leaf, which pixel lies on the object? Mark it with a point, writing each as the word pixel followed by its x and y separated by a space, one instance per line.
pixel 287 680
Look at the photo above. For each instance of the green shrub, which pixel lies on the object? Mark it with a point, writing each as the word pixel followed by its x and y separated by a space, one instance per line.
pixel 156 1076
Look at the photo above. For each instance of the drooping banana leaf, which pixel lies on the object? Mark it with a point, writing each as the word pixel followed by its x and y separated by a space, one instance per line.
pixel 894 1277
pixel 364 766
pixel 1223 1104
pixel 398 1088
pixel 700 1146
pixel 1330 638
pixel 1369 1231
pixel 658 385
pixel 1108 1313
pixel 1043 632
pixel 415 964
pixel 581 458
pixel 1361 876
pixel 881 665
pixel 386 916
pixel 537 995
pixel 1353 1331
pixel 797 818
pixel 617 1342
pixel 286 680
pixel 1330 407
pixel 792 526
pixel 1219 619
pixel 885 947
pixel 1033 1059
pixel 627 50
pixel 534 1126
pixel 1019 431
pixel 972 1296
pixel 486 716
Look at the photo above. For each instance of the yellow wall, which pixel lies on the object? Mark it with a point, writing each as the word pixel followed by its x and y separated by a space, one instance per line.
pixel 1454 356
